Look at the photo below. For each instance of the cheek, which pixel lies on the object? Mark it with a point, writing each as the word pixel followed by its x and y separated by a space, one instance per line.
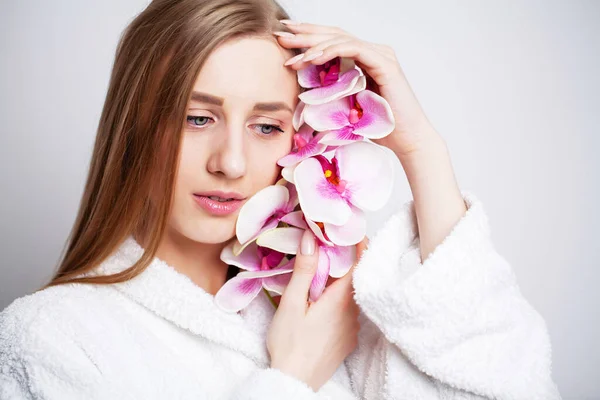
pixel 263 168
pixel 191 167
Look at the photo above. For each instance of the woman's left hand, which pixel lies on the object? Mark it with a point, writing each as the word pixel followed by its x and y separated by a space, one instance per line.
pixel 385 77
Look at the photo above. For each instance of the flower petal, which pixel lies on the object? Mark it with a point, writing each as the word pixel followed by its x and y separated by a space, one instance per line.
pixel 340 137
pixel 248 258
pixel 265 273
pixel 351 232
pixel 320 95
pixel 294 201
pixel 369 173
pixel 288 173
pixel 319 199
pixel 312 148
pixel 285 240
pixel 329 116
pixel 308 77
pixel 277 283
pixel 298 118
pixel 318 232
pixel 295 218
pixel 341 259
pixel 320 279
pixel 377 120
pixel 237 293
pixel 258 211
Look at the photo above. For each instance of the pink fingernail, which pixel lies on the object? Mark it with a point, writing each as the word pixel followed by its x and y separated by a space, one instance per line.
pixel 307 243
pixel 311 57
pixel 289 22
pixel 294 59
pixel 284 34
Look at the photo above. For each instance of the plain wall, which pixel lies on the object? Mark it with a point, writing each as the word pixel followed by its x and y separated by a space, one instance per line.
pixel 513 88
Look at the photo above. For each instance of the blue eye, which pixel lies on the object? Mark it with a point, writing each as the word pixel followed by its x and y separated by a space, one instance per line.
pixel 201 121
pixel 267 129
pixel 198 121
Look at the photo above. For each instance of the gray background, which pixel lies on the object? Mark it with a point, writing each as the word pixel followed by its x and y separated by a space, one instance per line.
pixel 512 86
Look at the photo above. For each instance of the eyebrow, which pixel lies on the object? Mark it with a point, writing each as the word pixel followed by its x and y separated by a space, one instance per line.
pixel 218 101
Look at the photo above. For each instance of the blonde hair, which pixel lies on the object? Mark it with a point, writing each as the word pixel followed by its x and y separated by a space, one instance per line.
pixel 157 60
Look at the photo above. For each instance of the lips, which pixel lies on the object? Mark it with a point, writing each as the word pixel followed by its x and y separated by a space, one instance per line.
pixel 219 195
pixel 218 202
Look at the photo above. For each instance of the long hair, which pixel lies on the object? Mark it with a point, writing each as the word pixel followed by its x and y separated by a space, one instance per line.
pixel 137 144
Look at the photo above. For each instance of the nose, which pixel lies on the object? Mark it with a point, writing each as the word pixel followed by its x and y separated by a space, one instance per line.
pixel 228 158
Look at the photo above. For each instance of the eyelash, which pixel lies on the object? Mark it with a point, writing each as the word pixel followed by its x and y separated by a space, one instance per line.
pixel 193 117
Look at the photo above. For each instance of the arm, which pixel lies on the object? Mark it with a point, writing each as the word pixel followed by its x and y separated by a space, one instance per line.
pixel 454 326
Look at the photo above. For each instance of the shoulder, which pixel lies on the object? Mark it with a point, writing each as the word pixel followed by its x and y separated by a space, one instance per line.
pixel 50 322
pixel 41 351
pixel 45 307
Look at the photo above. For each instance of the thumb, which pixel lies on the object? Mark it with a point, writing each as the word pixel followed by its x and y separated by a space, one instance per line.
pixel 295 295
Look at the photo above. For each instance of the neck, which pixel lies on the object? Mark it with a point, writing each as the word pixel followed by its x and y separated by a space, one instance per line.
pixel 199 261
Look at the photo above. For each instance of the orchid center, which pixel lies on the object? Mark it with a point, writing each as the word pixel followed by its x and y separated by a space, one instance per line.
pixel 269 258
pixel 330 171
pixel 329 71
pixel 356 111
pixel 299 141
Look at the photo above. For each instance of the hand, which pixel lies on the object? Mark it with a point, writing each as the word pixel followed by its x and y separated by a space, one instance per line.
pixel 309 340
pixel 385 77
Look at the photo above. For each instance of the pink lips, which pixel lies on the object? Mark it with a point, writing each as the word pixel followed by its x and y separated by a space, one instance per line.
pixel 216 207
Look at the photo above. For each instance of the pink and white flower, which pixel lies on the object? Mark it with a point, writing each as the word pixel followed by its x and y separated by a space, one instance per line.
pixel 264 211
pixel 351 118
pixel 306 144
pixel 358 177
pixel 263 268
pixel 329 81
pixel 334 261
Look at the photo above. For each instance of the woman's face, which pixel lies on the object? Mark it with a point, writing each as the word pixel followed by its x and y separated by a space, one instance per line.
pixel 239 123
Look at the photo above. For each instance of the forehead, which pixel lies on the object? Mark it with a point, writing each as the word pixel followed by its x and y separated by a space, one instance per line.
pixel 248 70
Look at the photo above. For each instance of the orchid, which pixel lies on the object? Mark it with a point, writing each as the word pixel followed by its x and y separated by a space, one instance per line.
pixel 352 118
pixel 334 79
pixel 264 211
pixel 306 144
pixel 358 178
pixel 331 177
pixel 263 267
pixel 334 261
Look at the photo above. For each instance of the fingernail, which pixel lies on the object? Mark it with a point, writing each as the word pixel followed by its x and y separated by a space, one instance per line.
pixel 284 34
pixel 294 59
pixel 311 57
pixel 307 245
pixel 289 22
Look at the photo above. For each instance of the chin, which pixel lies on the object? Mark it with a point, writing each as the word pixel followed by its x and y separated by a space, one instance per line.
pixel 208 230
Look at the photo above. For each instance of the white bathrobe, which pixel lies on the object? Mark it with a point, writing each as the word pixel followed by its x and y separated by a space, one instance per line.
pixel 453 327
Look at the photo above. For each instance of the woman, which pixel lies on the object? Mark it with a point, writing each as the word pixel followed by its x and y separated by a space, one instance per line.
pixel 200 107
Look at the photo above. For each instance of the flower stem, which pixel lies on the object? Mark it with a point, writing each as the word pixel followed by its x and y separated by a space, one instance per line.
pixel 270 298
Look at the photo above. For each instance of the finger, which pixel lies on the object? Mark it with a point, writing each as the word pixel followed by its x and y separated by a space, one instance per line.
pixel 384 49
pixel 314 51
pixel 374 62
pixel 302 40
pixel 295 294
pixel 305 27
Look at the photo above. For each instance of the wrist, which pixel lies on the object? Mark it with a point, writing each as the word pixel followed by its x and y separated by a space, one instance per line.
pixel 296 374
pixel 428 143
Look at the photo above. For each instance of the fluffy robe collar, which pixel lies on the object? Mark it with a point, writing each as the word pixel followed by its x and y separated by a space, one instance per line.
pixel 175 297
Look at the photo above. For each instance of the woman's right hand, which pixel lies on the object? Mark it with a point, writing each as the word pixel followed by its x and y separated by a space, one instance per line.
pixel 310 341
